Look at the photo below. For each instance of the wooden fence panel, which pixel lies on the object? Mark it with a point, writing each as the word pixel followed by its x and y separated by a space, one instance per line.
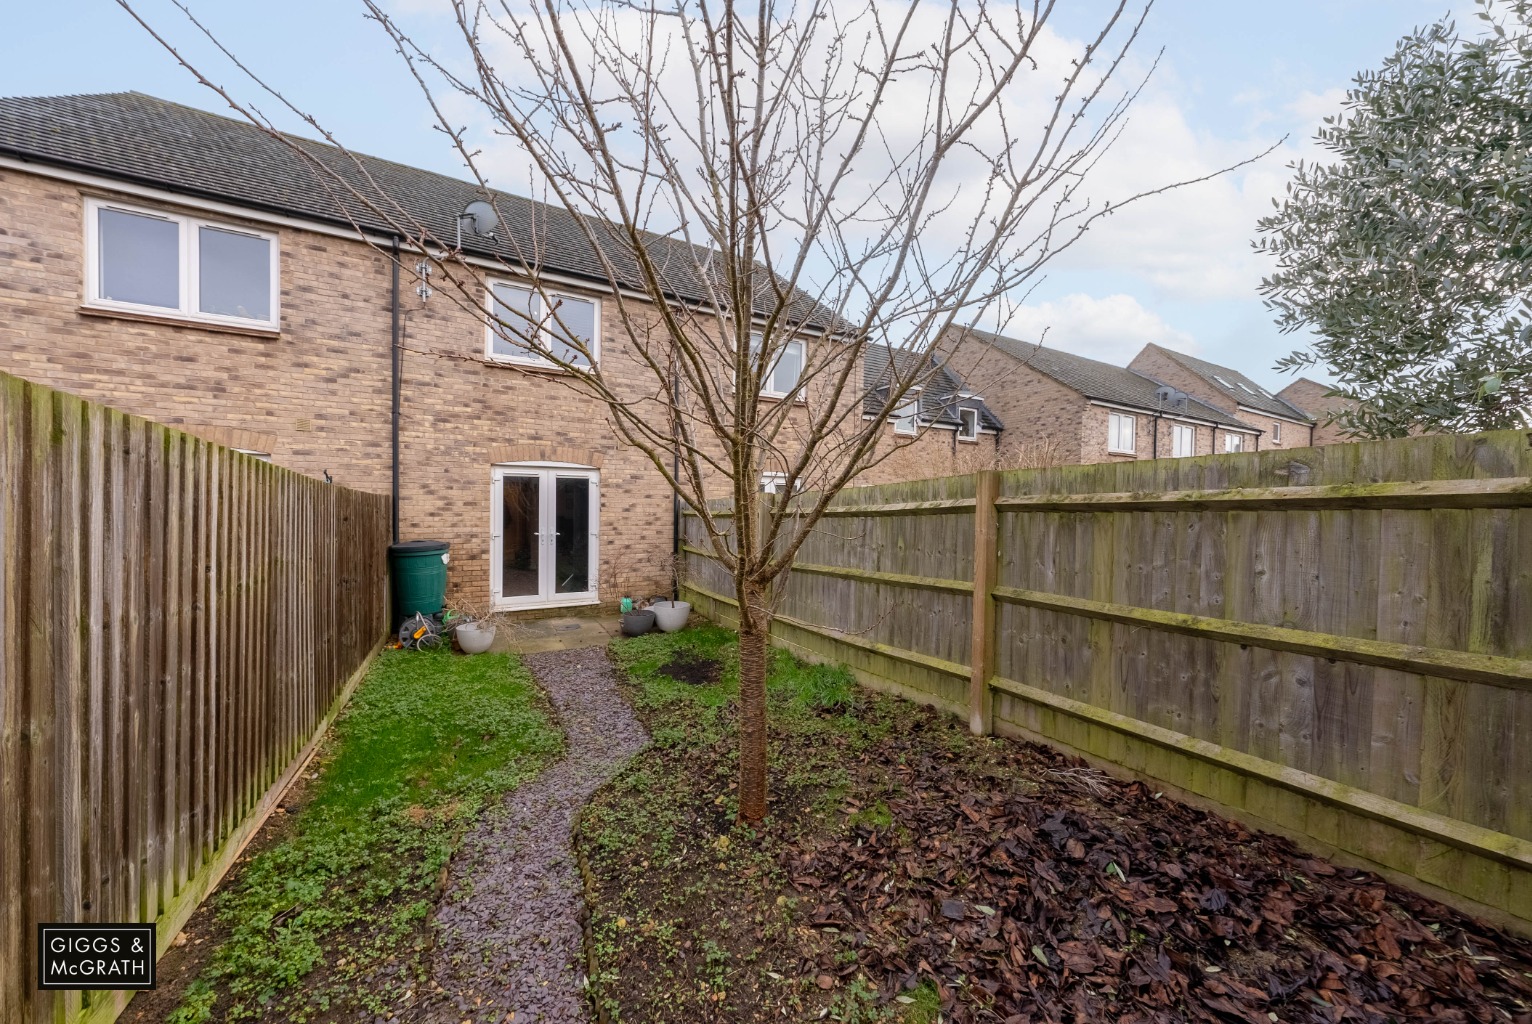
pixel 179 622
pixel 1335 641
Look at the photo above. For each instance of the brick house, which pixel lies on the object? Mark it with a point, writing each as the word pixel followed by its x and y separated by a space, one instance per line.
pixel 1283 424
pixel 188 268
pixel 944 428
pixel 1315 399
pixel 1059 408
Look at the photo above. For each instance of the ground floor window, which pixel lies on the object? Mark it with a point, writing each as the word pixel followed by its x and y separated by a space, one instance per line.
pixel 1234 442
pixel 544 534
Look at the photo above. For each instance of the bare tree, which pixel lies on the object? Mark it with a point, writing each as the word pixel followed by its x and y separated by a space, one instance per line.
pixel 761 186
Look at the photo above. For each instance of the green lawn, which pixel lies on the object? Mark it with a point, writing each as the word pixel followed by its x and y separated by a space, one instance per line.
pixel 332 917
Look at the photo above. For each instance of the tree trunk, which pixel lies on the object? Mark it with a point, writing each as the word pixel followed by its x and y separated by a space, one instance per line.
pixel 754 630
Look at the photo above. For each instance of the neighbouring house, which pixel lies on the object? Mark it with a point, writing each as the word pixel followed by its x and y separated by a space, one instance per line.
pixel 1059 408
pixel 190 268
pixel 1315 399
pixel 1283 424
pixel 942 427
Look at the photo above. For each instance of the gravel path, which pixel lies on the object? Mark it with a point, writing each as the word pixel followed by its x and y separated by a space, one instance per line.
pixel 509 944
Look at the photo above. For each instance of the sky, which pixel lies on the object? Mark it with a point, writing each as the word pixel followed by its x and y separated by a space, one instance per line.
pixel 1234 78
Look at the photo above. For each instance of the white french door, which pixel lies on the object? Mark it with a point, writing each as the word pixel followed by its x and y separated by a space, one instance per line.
pixel 544 549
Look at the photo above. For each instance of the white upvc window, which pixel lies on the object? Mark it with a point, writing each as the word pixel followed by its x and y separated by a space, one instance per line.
pixel 1183 440
pixel 773 483
pixel 907 415
pixel 783 377
pixel 141 260
pixel 1122 433
pixel 968 424
pixel 1276 431
pixel 516 310
pixel 1234 442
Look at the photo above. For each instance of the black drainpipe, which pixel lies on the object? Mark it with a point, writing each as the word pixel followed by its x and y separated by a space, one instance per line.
pixel 394 348
pixel 1156 434
pixel 675 496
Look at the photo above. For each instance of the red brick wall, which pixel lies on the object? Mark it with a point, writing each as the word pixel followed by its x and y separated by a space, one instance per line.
pixel 934 452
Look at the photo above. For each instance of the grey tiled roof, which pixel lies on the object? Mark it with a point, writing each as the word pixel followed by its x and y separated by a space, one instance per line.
pixel 150 141
pixel 1236 385
pixel 940 396
pixel 1101 381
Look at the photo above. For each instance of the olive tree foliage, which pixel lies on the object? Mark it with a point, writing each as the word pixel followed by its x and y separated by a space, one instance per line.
pixel 743 179
pixel 1409 254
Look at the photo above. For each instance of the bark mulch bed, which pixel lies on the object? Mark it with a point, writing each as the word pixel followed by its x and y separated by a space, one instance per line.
pixel 911 872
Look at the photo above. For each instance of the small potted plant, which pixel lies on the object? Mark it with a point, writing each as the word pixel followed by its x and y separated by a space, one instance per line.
pixel 474 630
pixel 636 620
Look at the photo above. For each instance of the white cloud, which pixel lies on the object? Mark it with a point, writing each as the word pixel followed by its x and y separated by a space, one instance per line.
pixel 1111 329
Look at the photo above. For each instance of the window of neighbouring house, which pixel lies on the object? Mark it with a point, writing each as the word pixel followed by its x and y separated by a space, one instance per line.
pixel 568 330
pixel 149 261
pixel 1183 440
pixel 968 429
pixel 907 415
pixel 773 483
pixel 1234 442
pixel 1276 432
pixel 785 373
pixel 1121 431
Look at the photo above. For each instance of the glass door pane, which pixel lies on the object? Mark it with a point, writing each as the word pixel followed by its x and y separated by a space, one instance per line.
pixel 571 539
pixel 521 509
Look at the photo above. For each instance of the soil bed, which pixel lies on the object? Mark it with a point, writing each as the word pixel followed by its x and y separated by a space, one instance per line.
pixel 910 870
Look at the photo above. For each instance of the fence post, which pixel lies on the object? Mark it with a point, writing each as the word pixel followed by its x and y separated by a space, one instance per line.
pixel 982 655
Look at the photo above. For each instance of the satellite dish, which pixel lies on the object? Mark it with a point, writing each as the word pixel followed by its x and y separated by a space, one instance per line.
pixel 481 218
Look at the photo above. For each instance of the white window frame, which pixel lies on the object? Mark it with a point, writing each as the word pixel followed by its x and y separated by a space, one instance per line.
pixel 1113 429
pixel 1276 431
pixel 1233 442
pixel 1175 440
pixel 548 473
pixel 534 360
pixel 773 483
pixel 965 417
pixel 190 267
pixel 766 389
pixel 907 423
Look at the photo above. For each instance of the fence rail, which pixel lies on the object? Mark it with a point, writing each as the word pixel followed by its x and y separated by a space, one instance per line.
pixel 180 621
pixel 1336 642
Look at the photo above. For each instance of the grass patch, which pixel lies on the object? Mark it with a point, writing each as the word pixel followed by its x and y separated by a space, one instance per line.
pixel 332 920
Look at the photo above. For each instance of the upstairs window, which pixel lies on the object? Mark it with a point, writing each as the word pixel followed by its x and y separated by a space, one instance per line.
pixel 785 373
pixel 519 311
pixel 148 261
pixel 1121 431
pixel 1234 442
pixel 1183 440
pixel 907 416
pixel 968 429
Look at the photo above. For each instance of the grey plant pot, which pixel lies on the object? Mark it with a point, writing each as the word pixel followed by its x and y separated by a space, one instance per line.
pixel 637 623
pixel 474 638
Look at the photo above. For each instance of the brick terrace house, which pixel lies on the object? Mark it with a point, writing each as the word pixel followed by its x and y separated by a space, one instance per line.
pixel 1283 424
pixel 189 268
pixel 942 428
pixel 1060 408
